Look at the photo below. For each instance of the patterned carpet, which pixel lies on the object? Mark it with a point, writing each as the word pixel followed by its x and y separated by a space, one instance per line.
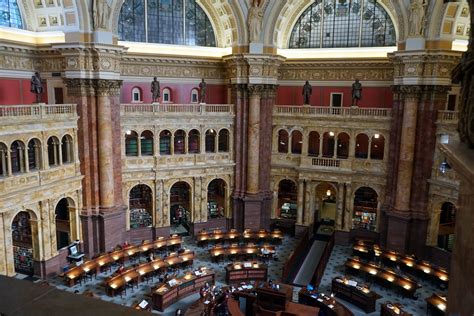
pixel 335 268
pixel 202 259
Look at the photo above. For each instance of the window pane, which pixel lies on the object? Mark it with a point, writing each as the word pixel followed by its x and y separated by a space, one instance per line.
pixel 10 14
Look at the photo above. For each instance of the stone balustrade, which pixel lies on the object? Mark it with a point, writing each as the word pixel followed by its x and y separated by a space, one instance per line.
pixel 448 117
pixel 156 109
pixel 326 111
pixel 37 111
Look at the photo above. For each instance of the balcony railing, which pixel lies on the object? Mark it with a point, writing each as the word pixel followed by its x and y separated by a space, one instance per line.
pixel 291 110
pixel 37 111
pixel 448 117
pixel 165 108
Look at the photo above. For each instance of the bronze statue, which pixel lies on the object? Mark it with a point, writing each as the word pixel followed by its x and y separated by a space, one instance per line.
pixel 356 92
pixel 36 86
pixel 155 90
pixel 307 91
pixel 202 91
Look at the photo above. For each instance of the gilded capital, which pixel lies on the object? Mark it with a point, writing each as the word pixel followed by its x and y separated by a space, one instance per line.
pixel 77 87
pixel 107 88
pixel 256 90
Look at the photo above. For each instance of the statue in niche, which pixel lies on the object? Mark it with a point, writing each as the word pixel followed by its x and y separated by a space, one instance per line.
pixel 417 17
pixel 155 90
pixel 255 19
pixel 356 92
pixel 36 86
pixel 100 13
pixel 202 91
pixel 307 91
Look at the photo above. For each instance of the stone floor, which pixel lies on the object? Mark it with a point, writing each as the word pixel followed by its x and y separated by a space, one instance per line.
pixel 202 259
pixel 335 268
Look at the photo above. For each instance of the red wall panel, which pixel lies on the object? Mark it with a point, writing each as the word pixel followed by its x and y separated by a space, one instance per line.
pixel 17 91
pixel 372 97
pixel 180 93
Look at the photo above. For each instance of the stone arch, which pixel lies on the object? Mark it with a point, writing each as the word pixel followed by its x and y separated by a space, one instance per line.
pixel 445 18
pixel 143 212
pixel 366 207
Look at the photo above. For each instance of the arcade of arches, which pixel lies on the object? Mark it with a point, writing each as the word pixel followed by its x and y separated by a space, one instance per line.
pixel 228 138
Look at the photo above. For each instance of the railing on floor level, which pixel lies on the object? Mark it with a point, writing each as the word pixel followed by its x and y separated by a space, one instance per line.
pixel 331 111
pixel 291 262
pixel 147 109
pixel 38 111
pixel 448 116
pixel 318 273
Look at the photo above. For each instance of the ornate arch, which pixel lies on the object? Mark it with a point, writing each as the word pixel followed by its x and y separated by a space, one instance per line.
pixel 445 18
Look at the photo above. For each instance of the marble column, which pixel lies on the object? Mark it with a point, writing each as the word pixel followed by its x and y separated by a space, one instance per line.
pixel 339 205
pixel 253 150
pixel 407 148
pixel 300 201
pixel 348 207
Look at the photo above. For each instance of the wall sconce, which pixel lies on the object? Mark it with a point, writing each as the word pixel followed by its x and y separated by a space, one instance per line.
pixel 331 134
pixel 328 192
pixel 377 136
pixel 444 166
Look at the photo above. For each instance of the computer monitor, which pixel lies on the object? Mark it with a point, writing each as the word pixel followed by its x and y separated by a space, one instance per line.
pixel 309 287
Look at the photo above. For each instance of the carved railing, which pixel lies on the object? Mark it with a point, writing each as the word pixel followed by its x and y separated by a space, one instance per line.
pixel 289 110
pixel 326 162
pixel 37 111
pixel 451 117
pixel 133 109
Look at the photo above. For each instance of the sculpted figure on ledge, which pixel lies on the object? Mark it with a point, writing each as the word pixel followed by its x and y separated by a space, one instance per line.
pixel 155 90
pixel 36 86
pixel 202 91
pixel 255 19
pixel 356 92
pixel 307 91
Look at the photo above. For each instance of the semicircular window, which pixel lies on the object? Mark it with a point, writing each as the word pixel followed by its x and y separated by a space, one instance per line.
pixel 179 22
pixel 343 23
pixel 10 14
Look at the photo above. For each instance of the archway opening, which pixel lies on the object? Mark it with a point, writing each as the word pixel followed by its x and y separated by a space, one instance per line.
pixel 17 157
pixel 179 142
pixel 210 141
pixel 447 220
pixel 296 142
pixel 365 209
pixel 34 154
pixel 53 151
pixel 343 140
pixel 216 199
pixel 165 142
pixel 328 144
pixel 3 160
pixel 22 243
pixel 223 140
pixel 326 195
pixel 377 147
pixel 313 144
pixel 362 146
pixel 180 207
pixel 63 223
pixel 67 151
pixel 131 143
pixel 141 206
pixel 146 143
pixel 283 141
pixel 287 199
pixel 194 144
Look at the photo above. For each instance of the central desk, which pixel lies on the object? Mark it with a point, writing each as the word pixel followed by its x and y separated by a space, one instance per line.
pixel 329 305
pixel 168 293
pixel 246 271
pixel 234 236
pixel 357 295
pixel 240 251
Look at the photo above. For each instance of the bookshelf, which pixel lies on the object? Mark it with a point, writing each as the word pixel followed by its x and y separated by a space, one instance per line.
pixel 23 259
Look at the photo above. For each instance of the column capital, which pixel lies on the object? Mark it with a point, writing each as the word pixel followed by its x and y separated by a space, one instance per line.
pixel 106 88
pixel 79 87
pixel 256 90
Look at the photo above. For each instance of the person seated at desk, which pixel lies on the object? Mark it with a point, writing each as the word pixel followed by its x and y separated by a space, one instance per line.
pixel 151 257
pixel 120 270
pixel 125 244
pixel 204 290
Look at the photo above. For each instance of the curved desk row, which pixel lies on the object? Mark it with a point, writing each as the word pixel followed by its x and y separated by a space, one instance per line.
pixel 246 271
pixel 133 275
pixel 244 251
pixel 168 293
pixel 360 296
pixel 233 236
pixel 94 265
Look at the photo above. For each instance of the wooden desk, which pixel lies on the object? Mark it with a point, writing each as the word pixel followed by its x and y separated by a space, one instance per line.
pixel 359 296
pixel 383 276
pixel 273 299
pixel 240 251
pixel 164 294
pixel 234 235
pixel 392 309
pixel 436 305
pixel 76 273
pixel 409 263
pixel 328 305
pixel 238 272
pixel 119 282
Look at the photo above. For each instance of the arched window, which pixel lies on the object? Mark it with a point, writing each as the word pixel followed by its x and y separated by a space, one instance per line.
pixel 136 94
pixel 131 143
pixel 166 95
pixel 34 154
pixel 67 149
pixel 223 140
pixel 10 14
pixel 179 22
pixel 362 146
pixel 146 143
pixel 210 141
pixel 63 225
pixel 3 160
pixel 328 144
pixel 17 157
pixel 296 142
pixel 194 96
pixel 343 145
pixel 194 142
pixel 283 141
pixel 179 145
pixel 53 151
pixel 377 147
pixel 165 142
pixel 335 23
pixel 313 144
pixel 141 206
